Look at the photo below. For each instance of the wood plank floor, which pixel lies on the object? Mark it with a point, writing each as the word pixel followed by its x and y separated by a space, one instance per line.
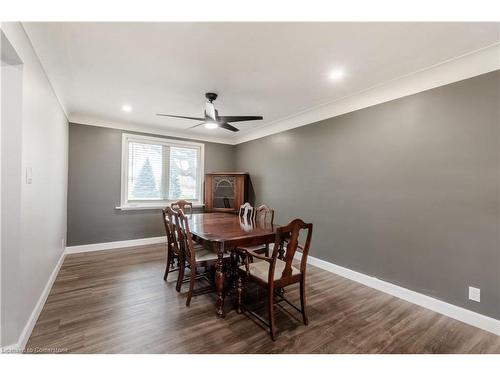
pixel 116 302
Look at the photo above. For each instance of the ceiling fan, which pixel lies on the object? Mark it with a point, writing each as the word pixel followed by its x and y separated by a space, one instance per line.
pixel 212 119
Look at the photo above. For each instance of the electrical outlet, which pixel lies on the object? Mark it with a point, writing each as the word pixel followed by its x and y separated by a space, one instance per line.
pixel 474 294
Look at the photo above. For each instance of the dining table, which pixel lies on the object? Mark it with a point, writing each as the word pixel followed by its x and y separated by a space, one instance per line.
pixel 223 232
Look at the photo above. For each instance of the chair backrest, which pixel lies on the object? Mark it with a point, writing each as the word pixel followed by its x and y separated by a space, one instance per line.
pixel 185 237
pixel 247 212
pixel 291 233
pixel 167 227
pixel 169 221
pixel 264 215
pixel 182 204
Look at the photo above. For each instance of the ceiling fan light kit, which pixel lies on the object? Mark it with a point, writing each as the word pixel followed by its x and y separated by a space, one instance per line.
pixel 212 120
pixel 211 125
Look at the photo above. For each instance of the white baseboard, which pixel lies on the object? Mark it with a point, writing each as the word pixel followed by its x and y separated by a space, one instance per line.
pixel 459 313
pixel 30 324
pixel 470 317
pixel 28 328
pixel 115 245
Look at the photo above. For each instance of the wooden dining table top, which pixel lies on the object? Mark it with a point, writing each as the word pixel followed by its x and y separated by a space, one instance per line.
pixel 223 232
pixel 224 227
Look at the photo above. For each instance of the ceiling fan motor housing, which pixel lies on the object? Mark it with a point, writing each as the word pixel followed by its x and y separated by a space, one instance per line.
pixel 211 96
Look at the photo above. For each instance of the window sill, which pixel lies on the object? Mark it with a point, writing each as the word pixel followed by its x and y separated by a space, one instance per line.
pixel 151 207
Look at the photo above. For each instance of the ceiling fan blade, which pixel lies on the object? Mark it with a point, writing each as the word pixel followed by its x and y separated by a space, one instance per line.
pixel 195 126
pixel 239 118
pixel 210 111
pixel 186 117
pixel 227 126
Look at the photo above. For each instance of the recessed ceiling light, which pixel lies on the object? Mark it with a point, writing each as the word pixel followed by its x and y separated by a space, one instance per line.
pixel 126 108
pixel 211 125
pixel 336 74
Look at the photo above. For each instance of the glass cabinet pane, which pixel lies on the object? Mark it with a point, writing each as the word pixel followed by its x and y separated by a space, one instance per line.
pixel 223 192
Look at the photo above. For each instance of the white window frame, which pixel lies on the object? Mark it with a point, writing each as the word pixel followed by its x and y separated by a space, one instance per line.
pixel 125 204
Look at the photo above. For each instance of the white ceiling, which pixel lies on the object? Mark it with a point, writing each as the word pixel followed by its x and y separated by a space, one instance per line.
pixel 275 70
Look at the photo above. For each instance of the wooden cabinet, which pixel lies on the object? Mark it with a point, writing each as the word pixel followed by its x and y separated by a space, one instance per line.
pixel 225 191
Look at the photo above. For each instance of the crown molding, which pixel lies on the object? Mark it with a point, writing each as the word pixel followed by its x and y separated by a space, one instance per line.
pixel 103 123
pixel 39 61
pixel 472 64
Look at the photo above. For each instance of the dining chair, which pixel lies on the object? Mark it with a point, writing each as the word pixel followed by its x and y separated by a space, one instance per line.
pixel 274 274
pixel 195 257
pixel 182 204
pixel 263 216
pixel 173 249
pixel 247 212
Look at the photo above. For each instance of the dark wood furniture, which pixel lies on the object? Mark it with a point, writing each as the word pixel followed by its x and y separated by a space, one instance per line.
pixel 183 205
pixel 194 256
pixel 348 317
pixel 225 232
pixel 275 272
pixel 262 214
pixel 173 251
pixel 225 192
pixel 246 212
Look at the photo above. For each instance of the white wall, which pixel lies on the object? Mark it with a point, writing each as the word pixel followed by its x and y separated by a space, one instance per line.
pixel 42 228
pixel 11 140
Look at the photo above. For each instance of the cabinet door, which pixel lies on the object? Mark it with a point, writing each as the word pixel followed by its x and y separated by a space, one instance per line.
pixel 224 192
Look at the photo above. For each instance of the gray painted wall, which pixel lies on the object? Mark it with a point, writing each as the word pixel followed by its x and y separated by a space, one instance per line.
pixel 407 191
pixel 94 187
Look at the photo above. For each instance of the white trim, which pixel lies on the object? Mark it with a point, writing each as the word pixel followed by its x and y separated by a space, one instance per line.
pixel 462 67
pixel 39 61
pixel 445 308
pixel 90 120
pixel 151 207
pixel 469 65
pixel 126 139
pixel 30 324
pixel 115 245
pixel 28 328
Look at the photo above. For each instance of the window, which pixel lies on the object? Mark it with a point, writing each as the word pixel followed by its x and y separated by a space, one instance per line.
pixel 157 171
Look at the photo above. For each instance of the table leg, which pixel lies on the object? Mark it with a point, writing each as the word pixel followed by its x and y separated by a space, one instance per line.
pixel 219 280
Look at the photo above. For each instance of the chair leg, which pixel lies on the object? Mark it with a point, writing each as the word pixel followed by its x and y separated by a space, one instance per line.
pixel 239 290
pixel 233 271
pixel 303 300
pixel 270 307
pixel 167 267
pixel 180 276
pixel 191 285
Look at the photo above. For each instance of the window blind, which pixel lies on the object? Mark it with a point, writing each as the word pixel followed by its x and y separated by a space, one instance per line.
pixel 161 171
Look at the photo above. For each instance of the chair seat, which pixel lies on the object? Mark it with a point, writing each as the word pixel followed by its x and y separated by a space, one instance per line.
pixel 260 269
pixel 198 247
pixel 204 255
pixel 258 248
pixel 253 248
